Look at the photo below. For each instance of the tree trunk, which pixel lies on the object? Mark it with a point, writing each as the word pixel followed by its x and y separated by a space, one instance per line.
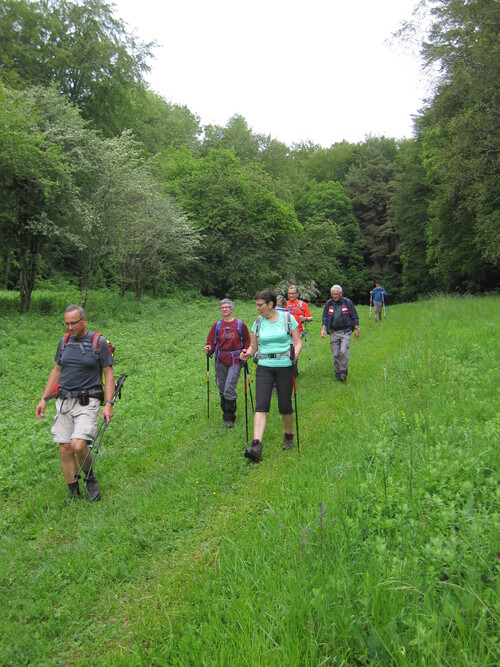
pixel 6 268
pixel 28 261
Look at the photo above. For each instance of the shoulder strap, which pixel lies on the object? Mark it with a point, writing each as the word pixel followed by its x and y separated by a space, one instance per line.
pixel 240 331
pixel 217 327
pixel 65 340
pixel 257 327
pixel 95 345
pixel 288 323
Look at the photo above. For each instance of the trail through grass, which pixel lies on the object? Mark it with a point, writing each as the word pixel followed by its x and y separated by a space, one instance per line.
pixel 378 545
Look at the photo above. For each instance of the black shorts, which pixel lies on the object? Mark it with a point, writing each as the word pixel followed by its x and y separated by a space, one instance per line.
pixel 265 378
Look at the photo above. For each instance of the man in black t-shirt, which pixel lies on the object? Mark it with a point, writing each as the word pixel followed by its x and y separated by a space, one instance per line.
pixel 80 363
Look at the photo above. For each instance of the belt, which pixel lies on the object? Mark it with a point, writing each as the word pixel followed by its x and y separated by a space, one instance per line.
pixel 274 356
pixel 75 393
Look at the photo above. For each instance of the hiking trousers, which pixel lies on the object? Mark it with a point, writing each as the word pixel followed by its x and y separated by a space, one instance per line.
pixel 227 379
pixel 339 344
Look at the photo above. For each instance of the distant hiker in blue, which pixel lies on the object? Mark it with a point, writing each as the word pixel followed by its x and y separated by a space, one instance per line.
pixel 378 295
pixel 227 338
pixel 340 319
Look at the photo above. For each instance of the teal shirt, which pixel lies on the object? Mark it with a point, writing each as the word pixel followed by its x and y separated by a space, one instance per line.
pixel 274 339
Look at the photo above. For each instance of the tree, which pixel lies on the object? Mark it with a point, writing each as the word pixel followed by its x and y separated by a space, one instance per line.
pixel 236 136
pixel 410 205
pixel 331 164
pixel 80 47
pixel 153 242
pixel 249 235
pixel 332 245
pixel 460 134
pixel 159 124
pixel 34 180
pixel 369 184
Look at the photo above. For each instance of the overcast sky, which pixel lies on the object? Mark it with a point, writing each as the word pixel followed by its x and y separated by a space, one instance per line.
pixel 318 70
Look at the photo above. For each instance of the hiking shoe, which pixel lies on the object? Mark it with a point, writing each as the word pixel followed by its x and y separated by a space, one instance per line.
pixel 254 453
pixel 92 487
pixel 229 424
pixel 73 492
pixel 288 441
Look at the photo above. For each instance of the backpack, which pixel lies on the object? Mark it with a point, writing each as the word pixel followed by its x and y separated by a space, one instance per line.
pixel 258 321
pixel 217 353
pixel 95 351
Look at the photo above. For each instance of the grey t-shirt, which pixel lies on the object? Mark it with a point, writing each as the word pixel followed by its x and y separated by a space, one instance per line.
pixel 80 368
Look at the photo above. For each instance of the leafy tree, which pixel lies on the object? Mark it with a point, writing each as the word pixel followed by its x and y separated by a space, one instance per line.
pixel 332 245
pixel 236 136
pixel 410 204
pixel 82 48
pixel 460 134
pixel 249 234
pixel 153 242
pixel 331 164
pixel 35 181
pixel 160 125
pixel 369 184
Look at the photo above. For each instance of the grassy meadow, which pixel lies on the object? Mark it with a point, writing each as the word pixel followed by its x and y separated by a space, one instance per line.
pixel 378 545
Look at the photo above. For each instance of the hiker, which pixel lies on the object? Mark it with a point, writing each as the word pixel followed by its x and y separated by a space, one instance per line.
pixel 82 358
pixel 276 344
pixel 281 305
pixel 281 302
pixel 226 339
pixel 339 320
pixel 300 310
pixel 378 295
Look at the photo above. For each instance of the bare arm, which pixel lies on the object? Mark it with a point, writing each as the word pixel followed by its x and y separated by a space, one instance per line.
pixel 297 343
pixel 109 392
pixel 52 383
pixel 250 351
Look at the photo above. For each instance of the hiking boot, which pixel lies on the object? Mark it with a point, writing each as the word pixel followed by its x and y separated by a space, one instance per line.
pixel 254 453
pixel 92 487
pixel 229 413
pixel 74 491
pixel 288 441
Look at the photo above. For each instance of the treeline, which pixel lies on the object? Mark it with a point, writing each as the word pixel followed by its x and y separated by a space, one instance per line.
pixel 105 182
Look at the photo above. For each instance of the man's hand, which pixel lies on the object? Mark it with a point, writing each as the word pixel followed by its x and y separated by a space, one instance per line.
pixel 40 409
pixel 107 412
pixel 323 331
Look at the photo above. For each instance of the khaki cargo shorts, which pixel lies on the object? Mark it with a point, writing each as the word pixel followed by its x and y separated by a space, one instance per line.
pixel 73 420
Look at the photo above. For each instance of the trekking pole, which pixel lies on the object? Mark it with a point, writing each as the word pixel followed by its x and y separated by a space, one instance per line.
pixel 253 371
pixel 296 413
pixel 371 301
pixel 307 344
pixel 245 373
pixel 383 303
pixel 208 386
pixel 250 387
pixel 98 438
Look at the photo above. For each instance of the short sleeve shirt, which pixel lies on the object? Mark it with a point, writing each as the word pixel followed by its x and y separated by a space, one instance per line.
pixel 80 368
pixel 274 339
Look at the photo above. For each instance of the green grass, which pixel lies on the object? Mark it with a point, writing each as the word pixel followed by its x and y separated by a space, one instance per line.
pixel 377 546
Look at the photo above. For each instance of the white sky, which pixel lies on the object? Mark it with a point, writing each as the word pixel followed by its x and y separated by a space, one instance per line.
pixel 299 70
